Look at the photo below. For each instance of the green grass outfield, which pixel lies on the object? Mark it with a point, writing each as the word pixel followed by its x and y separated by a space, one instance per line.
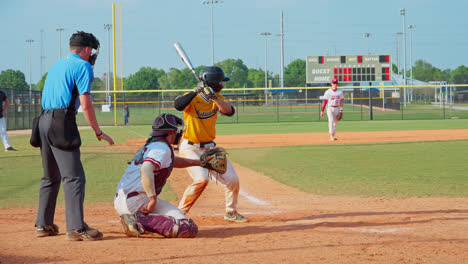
pixel 401 169
pixel 144 114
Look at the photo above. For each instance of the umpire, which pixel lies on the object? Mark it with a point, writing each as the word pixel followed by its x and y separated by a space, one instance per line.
pixel 68 85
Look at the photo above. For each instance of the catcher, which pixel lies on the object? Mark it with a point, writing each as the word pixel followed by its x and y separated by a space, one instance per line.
pixel 136 200
pixel 334 98
pixel 201 108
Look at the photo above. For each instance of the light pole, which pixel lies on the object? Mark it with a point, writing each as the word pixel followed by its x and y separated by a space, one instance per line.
pixel 403 13
pixel 411 27
pixel 212 34
pixel 266 34
pixel 367 36
pixel 43 57
pixel 398 50
pixel 282 53
pixel 108 27
pixel 281 75
pixel 30 41
pixel 59 30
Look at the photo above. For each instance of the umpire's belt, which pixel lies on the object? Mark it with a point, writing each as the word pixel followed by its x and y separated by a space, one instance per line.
pixel 202 144
pixel 129 195
pixel 58 110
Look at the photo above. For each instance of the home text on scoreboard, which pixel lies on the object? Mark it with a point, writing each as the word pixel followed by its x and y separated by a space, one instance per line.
pixel 349 68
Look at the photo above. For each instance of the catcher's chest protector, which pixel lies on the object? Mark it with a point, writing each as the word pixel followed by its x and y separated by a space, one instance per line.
pixel 161 175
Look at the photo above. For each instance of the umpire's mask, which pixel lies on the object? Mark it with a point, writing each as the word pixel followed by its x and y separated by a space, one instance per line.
pixel 83 39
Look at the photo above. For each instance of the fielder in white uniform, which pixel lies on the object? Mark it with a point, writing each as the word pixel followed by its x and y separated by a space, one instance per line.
pixel 136 199
pixel 334 98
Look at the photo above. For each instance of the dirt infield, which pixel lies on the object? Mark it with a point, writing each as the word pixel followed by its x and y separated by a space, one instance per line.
pixel 286 225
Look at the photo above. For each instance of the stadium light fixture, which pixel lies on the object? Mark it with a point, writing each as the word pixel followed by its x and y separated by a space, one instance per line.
pixel 212 2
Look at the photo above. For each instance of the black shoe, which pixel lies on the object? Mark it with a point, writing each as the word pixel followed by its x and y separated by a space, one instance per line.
pixel 10 149
pixel 43 231
pixel 85 234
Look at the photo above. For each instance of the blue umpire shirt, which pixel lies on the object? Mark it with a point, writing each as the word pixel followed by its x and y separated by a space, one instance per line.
pixel 61 80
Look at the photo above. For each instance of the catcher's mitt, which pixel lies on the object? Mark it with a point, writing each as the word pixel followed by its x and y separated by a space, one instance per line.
pixel 214 159
pixel 339 116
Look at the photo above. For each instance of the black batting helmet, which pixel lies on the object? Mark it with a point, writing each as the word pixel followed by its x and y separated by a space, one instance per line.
pixel 213 76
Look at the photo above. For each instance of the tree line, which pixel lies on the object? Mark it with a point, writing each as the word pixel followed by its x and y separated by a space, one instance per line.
pixel 148 78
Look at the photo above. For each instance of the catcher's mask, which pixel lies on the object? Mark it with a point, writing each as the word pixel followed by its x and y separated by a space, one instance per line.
pixel 213 76
pixel 83 39
pixel 166 122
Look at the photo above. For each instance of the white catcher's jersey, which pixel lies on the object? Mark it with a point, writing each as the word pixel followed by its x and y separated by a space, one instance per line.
pixel 157 153
pixel 333 97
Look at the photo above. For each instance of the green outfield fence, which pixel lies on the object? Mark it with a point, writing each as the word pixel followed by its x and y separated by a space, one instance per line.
pixel 261 105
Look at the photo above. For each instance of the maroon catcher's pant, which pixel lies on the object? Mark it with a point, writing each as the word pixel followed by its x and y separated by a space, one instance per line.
pixel 168 226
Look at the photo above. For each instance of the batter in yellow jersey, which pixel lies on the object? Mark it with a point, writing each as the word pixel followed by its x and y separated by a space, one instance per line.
pixel 200 117
pixel 201 109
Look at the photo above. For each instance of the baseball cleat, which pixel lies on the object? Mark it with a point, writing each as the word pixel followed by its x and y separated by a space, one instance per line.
pixel 131 226
pixel 234 216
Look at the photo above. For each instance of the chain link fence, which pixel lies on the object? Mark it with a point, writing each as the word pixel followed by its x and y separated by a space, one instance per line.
pixel 23 107
pixel 254 105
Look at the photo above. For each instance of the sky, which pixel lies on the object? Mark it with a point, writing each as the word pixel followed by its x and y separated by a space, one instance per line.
pixel 311 27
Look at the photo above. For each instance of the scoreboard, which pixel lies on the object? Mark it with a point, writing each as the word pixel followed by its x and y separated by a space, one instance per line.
pixel 349 68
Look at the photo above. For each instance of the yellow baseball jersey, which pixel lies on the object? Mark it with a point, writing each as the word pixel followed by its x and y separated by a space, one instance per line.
pixel 200 119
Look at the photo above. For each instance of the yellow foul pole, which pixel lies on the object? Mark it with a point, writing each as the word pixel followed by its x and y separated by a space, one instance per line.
pixel 115 72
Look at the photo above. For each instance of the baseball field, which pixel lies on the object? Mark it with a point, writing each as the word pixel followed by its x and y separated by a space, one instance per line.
pixel 384 192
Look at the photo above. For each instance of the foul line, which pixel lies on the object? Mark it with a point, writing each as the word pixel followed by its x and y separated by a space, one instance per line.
pixel 252 198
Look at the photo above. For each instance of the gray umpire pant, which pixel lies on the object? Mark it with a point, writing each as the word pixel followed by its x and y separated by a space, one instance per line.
pixel 60 165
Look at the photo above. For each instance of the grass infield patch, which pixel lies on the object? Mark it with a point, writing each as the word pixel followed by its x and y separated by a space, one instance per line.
pixel 409 169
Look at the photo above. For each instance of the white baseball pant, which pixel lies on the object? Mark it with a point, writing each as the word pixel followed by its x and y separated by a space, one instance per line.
pixel 229 180
pixel 331 113
pixel 131 205
pixel 3 133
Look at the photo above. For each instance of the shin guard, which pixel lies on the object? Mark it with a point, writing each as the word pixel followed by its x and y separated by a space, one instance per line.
pixel 168 226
